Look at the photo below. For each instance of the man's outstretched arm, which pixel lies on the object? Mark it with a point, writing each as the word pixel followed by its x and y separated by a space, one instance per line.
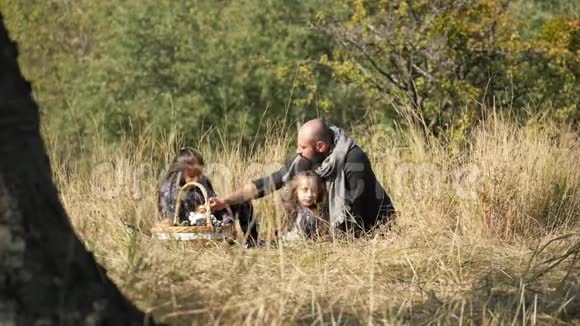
pixel 247 192
pixel 262 186
pixel 251 190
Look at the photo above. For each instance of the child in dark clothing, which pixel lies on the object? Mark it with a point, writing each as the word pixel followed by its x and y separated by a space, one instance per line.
pixel 306 207
pixel 188 167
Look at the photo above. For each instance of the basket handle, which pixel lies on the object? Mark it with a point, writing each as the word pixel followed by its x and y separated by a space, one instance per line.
pixel 185 187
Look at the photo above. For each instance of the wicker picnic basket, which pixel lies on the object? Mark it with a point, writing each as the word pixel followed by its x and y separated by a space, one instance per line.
pixel 188 233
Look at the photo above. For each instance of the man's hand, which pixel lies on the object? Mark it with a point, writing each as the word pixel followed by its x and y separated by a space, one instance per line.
pixel 216 204
pixel 246 193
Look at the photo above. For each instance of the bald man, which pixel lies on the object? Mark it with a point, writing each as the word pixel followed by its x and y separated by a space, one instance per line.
pixel 357 201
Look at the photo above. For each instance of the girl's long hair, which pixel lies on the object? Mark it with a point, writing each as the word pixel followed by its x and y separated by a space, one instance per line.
pixel 174 174
pixel 291 204
pixel 186 156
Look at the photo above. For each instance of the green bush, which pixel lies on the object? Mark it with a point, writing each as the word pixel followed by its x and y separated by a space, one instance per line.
pixel 124 69
pixel 447 58
pixel 120 69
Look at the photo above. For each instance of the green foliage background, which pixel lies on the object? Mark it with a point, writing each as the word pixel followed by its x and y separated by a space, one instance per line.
pixel 121 69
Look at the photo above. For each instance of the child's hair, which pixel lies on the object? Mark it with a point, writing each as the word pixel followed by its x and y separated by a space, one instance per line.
pixel 291 204
pixel 185 156
pixel 174 174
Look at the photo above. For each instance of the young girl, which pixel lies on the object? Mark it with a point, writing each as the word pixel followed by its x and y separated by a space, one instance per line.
pixel 187 167
pixel 306 207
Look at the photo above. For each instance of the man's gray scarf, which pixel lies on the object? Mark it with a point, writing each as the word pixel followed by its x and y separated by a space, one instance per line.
pixel 332 170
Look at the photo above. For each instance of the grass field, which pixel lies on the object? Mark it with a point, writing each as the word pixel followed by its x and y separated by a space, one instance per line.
pixel 488 233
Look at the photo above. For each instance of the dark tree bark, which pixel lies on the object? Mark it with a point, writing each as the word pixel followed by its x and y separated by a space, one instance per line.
pixel 47 277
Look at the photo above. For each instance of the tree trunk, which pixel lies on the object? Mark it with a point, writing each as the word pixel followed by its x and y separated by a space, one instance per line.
pixel 46 275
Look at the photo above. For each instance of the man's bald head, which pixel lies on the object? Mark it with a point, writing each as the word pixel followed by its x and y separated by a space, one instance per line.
pixel 314 140
pixel 316 130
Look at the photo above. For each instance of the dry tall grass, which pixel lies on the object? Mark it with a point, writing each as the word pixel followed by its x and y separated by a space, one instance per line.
pixel 488 233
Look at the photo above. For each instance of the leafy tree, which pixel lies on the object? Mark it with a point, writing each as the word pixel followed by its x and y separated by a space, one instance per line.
pixel 118 69
pixel 440 57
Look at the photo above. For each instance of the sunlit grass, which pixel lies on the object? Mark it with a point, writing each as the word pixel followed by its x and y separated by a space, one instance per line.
pixel 467 247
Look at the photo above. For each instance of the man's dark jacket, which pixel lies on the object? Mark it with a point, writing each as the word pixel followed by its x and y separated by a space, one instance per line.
pixel 367 201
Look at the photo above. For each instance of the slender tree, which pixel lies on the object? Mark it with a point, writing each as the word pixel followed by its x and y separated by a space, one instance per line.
pixel 47 277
